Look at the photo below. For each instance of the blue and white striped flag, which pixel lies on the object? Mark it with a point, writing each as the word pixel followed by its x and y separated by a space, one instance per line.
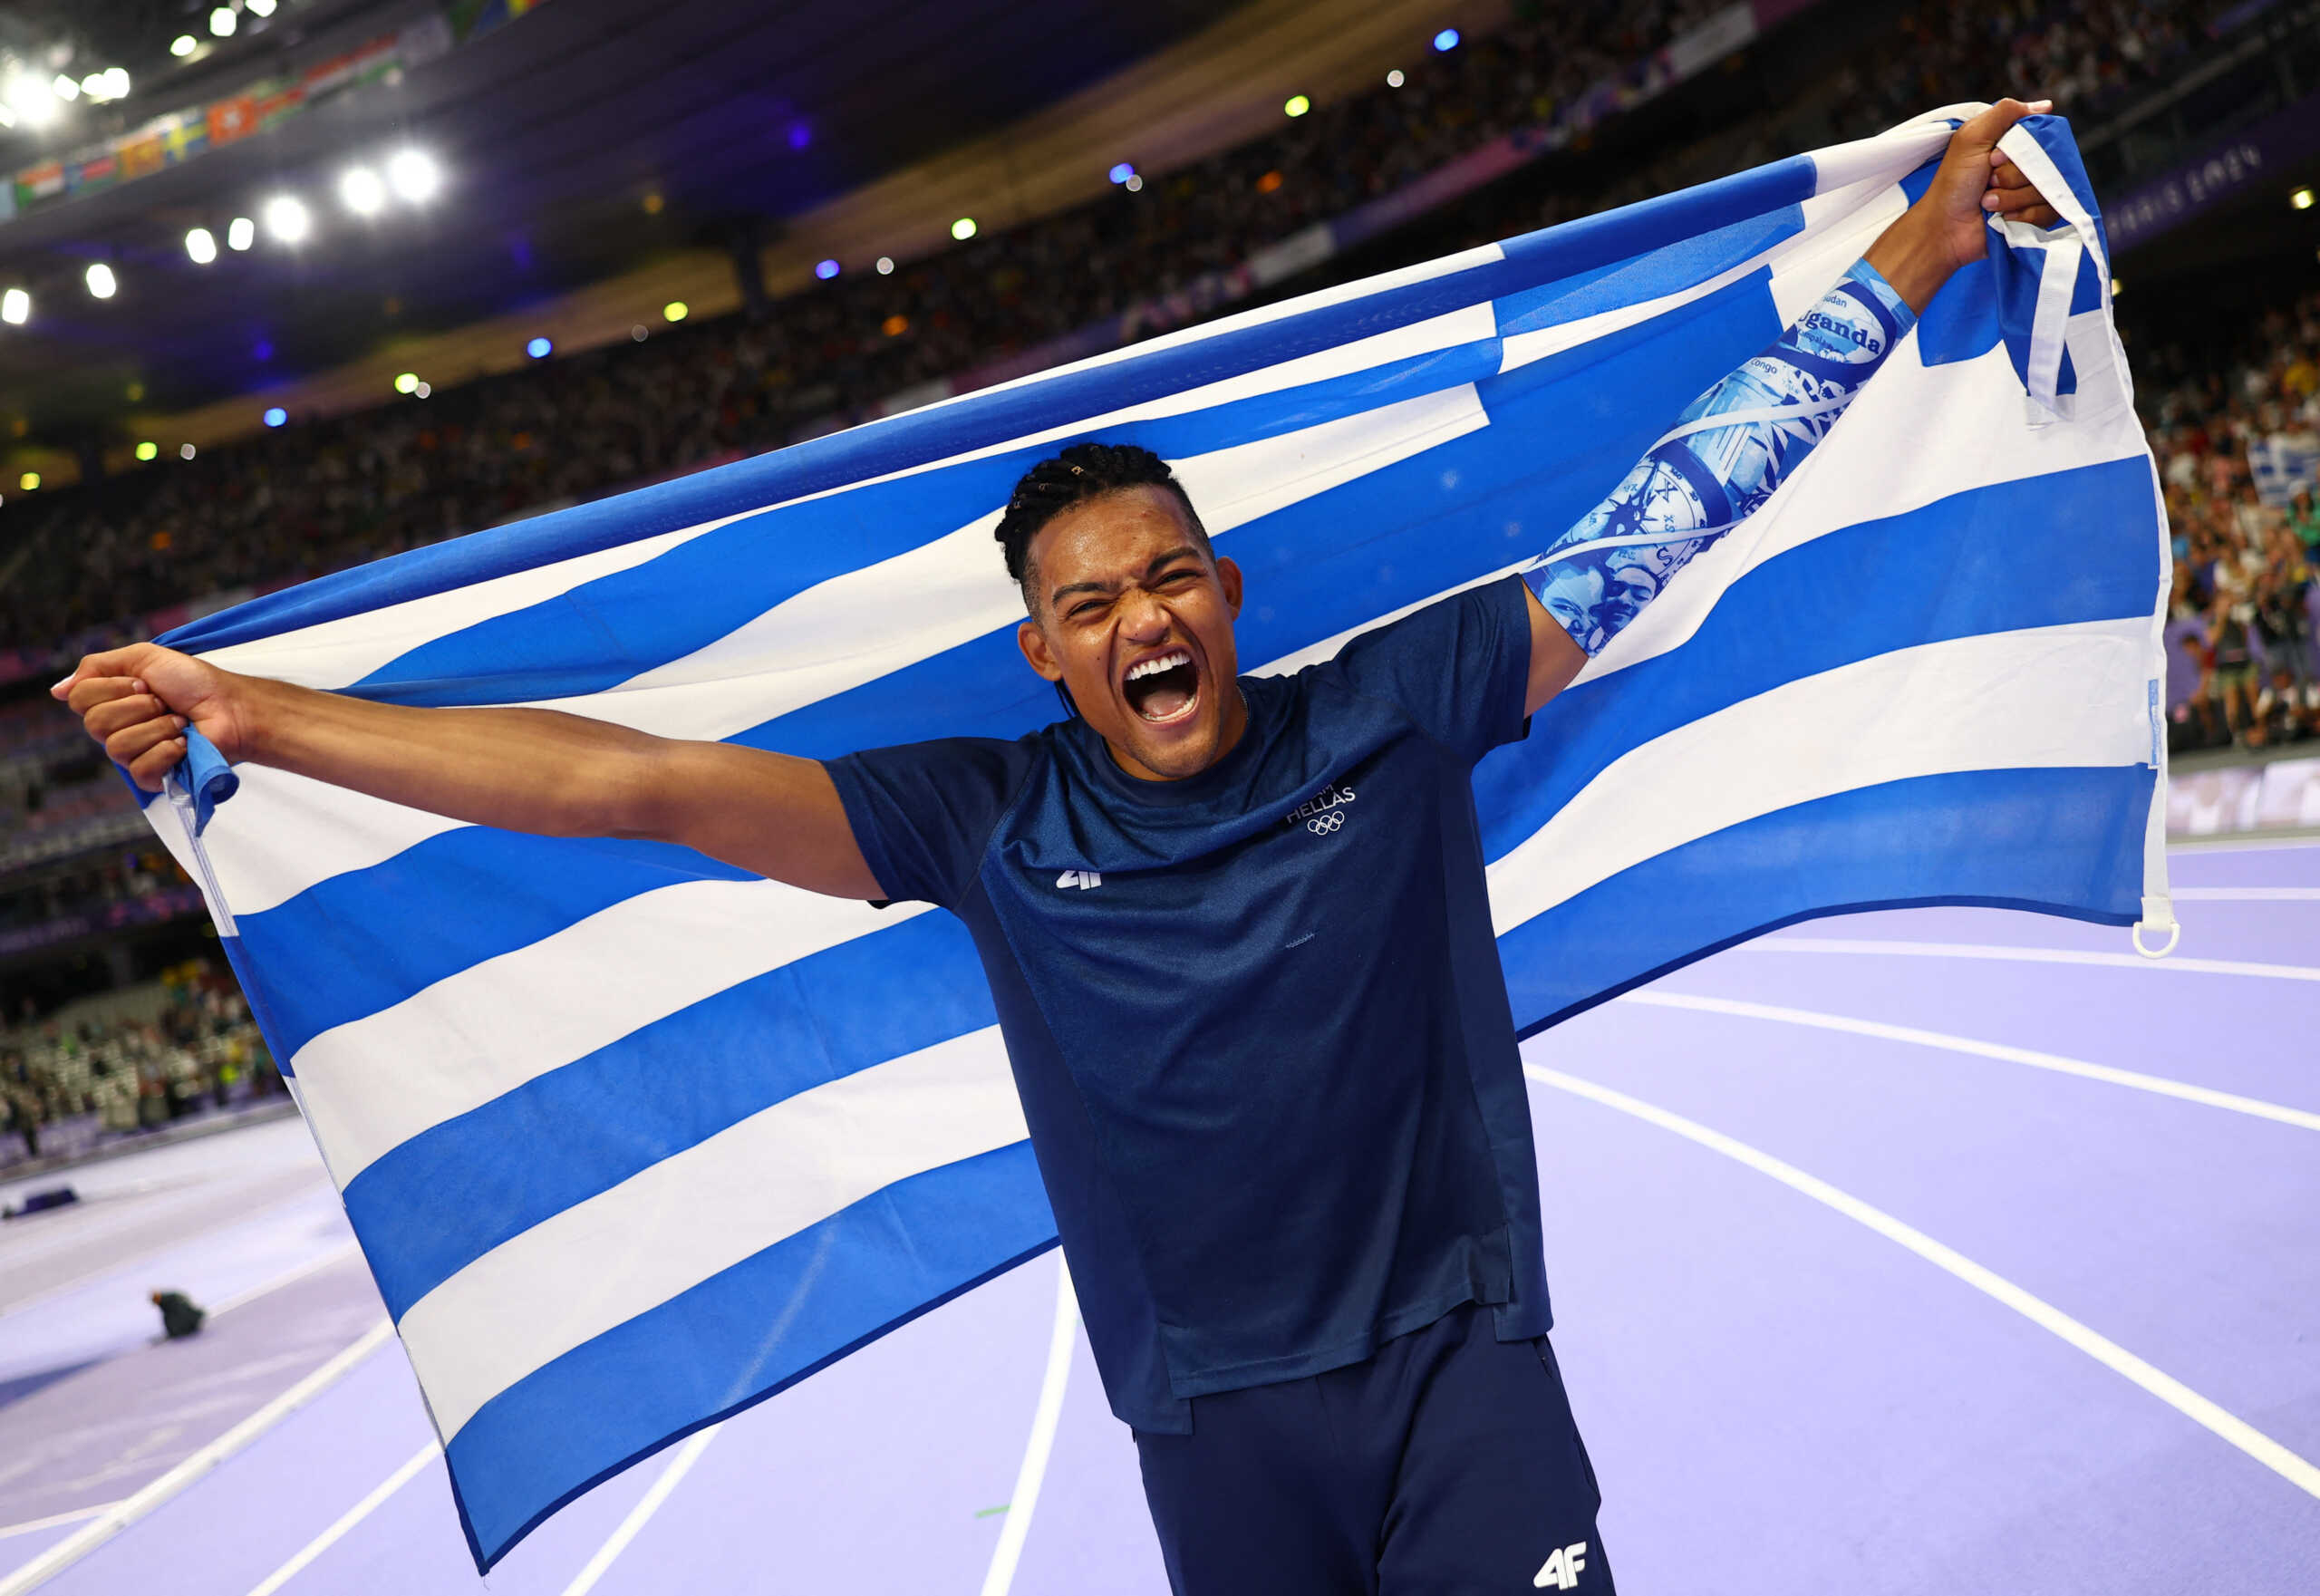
pixel 632 1141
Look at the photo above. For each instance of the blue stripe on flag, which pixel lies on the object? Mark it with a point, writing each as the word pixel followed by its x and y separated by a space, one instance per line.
pixel 2003 558
pixel 2061 841
pixel 713 1351
pixel 447 1196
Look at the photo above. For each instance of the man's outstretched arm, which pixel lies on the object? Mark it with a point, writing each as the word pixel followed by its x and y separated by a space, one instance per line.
pixel 532 770
pixel 1733 446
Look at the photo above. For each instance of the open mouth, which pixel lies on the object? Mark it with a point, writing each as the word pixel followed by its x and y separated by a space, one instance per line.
pixel 1163 688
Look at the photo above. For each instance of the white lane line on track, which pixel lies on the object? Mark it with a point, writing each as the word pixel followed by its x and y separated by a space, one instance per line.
pixel 642 1513
pixel 348 1520
pixel 2158 1084
pixel 1966 950
pixel 2247 894
pixel 55 1519
pixel 1017 1527
pixel 127 1512
pixel 2296 1470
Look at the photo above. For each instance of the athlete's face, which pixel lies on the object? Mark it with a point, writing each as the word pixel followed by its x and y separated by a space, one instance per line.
pixel 1136 623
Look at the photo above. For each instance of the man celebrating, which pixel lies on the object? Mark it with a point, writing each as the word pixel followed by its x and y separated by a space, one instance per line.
pixel 1237 934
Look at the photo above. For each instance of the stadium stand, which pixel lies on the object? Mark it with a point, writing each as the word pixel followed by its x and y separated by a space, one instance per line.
pixel 94 565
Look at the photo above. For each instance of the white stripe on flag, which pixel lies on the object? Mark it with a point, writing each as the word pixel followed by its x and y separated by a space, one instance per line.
pixel 2044 697
pixel 668 1228
pixel 373 1084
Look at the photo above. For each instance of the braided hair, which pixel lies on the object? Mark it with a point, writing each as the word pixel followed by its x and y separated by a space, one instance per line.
pixel 1078 474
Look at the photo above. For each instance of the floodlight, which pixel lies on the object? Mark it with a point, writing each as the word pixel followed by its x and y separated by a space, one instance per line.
pixel 1121 172
pixel 15 307
pixel 539 349
pixel 2301 199
pixel 29 481
pixel 100 279
pixel 35 101
pixel 885 266
pixel 1446 40
pixel 413 175
pixel 185 452
pixel 116 82
pixel 963 228
pixel 240 233
pixel 1134 185
pixel 201 246
pixel 361 192
pixel 287 218
pixel 94 86
pixel 825 270
pixel 65 88
pixel 148 449
pixel 275 416
pixel 405 382
pixel 676 310
pixel 222 22
pixel 421 392
pixel 258 7
pixel 1394 80
pixel 1297 105
pixel 184 45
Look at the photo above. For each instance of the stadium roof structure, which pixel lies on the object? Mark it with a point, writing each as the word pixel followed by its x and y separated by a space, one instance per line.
pixel 581 142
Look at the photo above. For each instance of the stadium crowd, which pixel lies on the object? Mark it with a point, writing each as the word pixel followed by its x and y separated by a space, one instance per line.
pixel 63 1085
pixel 321 495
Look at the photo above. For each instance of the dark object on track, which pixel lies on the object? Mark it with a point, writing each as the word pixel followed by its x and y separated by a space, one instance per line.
pixel 180 1317
pixel 36 1202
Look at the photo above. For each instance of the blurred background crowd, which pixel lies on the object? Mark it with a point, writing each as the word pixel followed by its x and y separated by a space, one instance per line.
pixel 1586 96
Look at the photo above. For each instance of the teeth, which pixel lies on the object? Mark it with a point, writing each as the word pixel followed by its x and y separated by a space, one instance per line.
pixel 1153 667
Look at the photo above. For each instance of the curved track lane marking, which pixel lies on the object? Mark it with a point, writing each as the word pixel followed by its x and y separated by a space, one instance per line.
pixel 2296 1470
pixel 2247 894
pixel 2157 1084
pixel 642 1513
pixel 55 1519
pixel 1017 1526
pixel 127 1512
pixel 2026 955
pixel 347 1521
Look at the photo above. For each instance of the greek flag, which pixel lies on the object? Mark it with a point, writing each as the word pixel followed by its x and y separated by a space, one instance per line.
pixel 634 1140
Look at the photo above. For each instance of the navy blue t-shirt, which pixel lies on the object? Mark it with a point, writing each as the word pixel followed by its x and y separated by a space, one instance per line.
pixel 1256 1016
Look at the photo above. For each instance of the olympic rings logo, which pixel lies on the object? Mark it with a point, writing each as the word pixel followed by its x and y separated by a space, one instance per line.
pixel 1322 824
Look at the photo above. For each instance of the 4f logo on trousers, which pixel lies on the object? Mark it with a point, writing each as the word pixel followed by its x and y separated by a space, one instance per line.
pixel 1082 879
pixel 1562 1569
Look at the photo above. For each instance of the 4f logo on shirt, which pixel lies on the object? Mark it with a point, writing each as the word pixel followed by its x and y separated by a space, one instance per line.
pixel 1561 1569
pixel 1320 813
pixel 1082 879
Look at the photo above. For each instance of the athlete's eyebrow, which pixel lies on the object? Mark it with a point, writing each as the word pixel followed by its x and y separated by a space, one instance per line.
pixel 1158 563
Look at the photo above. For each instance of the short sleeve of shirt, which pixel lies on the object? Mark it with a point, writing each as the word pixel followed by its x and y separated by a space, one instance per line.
pixel 922 813
pixel 1460 667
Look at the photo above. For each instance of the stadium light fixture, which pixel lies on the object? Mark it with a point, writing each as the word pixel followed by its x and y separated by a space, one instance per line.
pixel 240 233
pixel 100 280
pixel 29 481
pixel 1445 40
pixel 1134 185
pixel 1394 80
pixel 65 88
pixel 825 270
pixel 406 381
pixel 184 45
pixel 202 245
pixel 539 349
pixel 287 218
pixel 361 192
pixel 147 450
pixel 258 7
pixel 2115 286
pixel 676 310
pixel 1121 172
pixel 885 266
pixel 2301 199
pixel 1297 105
pixel 15 307
pixel 94 86
pixel 274 415
pixel 185 452
pixel 421 392
pixel 222 22
pixel 963 228
pixel 414 176
pixel 34 102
